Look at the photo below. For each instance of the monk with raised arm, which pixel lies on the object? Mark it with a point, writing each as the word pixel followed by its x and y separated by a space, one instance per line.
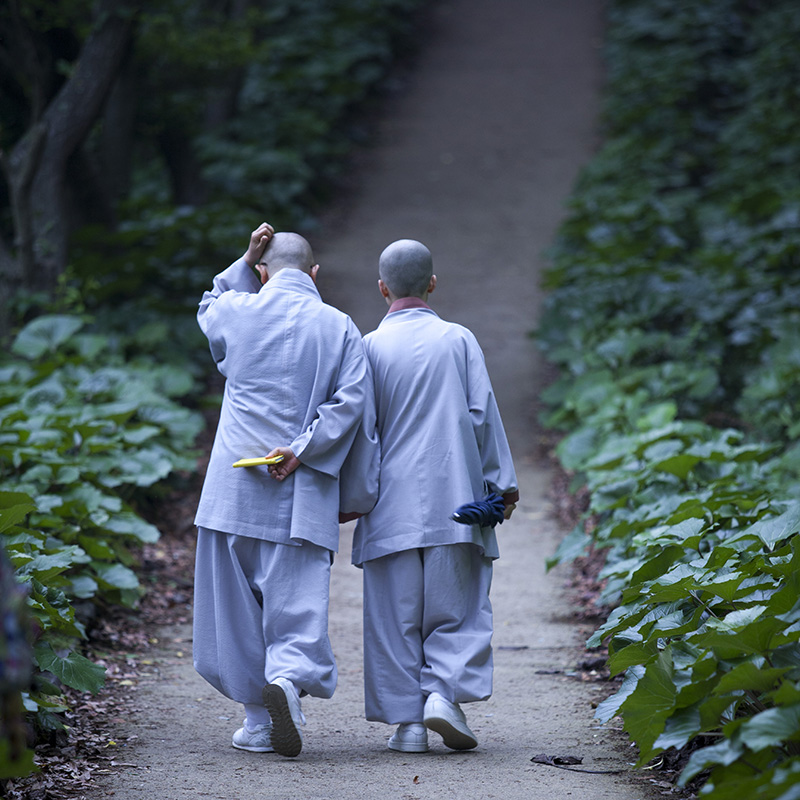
pixel 296 385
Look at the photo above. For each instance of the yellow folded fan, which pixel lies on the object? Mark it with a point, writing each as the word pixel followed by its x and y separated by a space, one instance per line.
pixel 258 462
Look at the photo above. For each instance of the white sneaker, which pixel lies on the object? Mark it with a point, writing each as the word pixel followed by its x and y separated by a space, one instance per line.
pixel 257 741
pixel 448 720
pixel 283 703
pixel 410 737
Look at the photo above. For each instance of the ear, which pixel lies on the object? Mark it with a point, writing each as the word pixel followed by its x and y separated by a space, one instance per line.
pixel 383 288
pixel 313 272
pixel 432 284
pixel 263 274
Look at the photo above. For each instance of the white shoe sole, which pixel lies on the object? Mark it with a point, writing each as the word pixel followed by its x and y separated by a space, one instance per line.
pixel 253 749
pixel 407 747
pixel 454 737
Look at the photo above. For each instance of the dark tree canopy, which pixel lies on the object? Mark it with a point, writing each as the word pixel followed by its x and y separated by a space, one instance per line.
pixel 126 113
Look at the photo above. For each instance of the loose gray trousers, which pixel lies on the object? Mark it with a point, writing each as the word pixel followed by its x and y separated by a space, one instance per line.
pixel 261 612
pixel 427 628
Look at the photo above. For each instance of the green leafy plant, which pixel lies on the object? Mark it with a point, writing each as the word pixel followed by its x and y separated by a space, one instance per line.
pixel 82 432
pixel 673 319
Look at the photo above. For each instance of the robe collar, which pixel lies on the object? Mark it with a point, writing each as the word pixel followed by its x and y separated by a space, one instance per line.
pixel 293 280
pixel 403 303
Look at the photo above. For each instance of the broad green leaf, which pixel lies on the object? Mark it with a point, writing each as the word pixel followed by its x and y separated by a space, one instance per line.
pixel 679 465
pixel 139 468
pixel 46 566
pixel 624 567
pixel 645 711
pixel 74 670
pixel 140 434
pixel 174 382
pixel 677 623
pixel 45 334
pixel 128 523
pixel 574 544
pixel 41 474
pixel 37 702
pixel 67 475
pixel 698 688
pixel 90 345
pixel 772 530
pixel 725 587
pixel 116 575
pixel 657 565
pixel 679 729
pixel 613 494
pixel 771 727
pixel 25 542
pixel 52 609
pixel 725 753
pixel 734 641
pixel 788 693
pixel 97 548
pixel 14 507
pixel 681 578
pixel 610 707
pixel 613 452
pixel 88 499
pixel 40 399
pixel 738 619
pixel 686 529
pixel 749 677
pixel 686 656
pixel 659 416
pixel 83 587
pixel 620 618
pixel 661 450
pixel 629 656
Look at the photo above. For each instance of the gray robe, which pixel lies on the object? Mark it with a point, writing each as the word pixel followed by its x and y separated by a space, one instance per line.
pixel 442 439
pixel 295 376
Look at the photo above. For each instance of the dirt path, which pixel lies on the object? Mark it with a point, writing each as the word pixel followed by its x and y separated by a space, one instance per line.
pixel 477 154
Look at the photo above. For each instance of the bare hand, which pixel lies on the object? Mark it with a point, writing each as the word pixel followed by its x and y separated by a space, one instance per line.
pixel 286 467
pixel 509 510
pixel 259 239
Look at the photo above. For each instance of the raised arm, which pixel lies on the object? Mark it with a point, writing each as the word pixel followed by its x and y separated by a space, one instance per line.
pixel 238 277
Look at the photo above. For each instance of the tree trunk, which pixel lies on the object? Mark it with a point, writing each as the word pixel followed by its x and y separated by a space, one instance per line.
pixel 116 144
pixel 37 166
pixel 221 103
pixel 186 181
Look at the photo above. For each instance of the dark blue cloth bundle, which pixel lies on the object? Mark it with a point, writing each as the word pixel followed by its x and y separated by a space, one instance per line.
pixel 486 513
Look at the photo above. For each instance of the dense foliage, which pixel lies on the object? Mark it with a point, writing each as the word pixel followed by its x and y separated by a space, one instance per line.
pixel 674 319
pixel 83 430
pixel 247 108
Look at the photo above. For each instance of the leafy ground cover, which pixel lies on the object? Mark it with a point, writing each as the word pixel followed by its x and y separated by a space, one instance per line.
pixel 121 641
pixel 84 432
pixel 673 318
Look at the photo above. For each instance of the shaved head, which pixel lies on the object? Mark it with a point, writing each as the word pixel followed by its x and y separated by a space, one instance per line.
pixel 288 250
pixel 406 267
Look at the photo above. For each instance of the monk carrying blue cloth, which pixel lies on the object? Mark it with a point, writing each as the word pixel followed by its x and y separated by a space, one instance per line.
pixel 427 614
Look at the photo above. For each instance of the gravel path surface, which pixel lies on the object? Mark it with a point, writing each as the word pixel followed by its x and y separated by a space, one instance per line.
pixel 477 153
